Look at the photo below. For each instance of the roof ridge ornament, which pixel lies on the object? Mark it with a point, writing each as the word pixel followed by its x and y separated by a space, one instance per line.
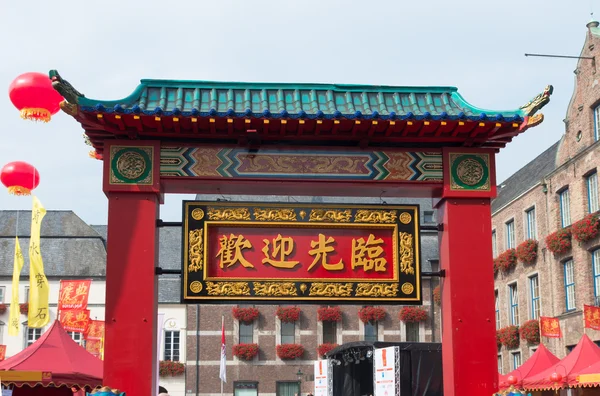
pixel 535 104
pixel 65 88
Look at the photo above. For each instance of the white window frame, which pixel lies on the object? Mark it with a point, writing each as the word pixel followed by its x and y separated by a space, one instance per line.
pixel 500 364
pixel 535 301
pixel 513 309
pixel 26 339
pixel 494 244
pixel 596 123
pixel 565 207
pixel 530 223
pixel 497 298
pixel 516 356
pixel 169 346
pixel 591 182
pixel 569 284
pixel 2 294
pixel 77 337
pixel 511 240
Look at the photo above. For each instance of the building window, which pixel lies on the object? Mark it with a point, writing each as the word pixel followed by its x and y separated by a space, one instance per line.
pixel 513 296
pixel 76 336
pixel 288 332
pixel 570 348
pixel 516 360
pixel 494 247
pixel 329 332
pixel 412 331
pixel 510 235
pixel 596 123
pixel 497 309
pixel 596 272
pixel 371 331
pixel 569 285
pixel 31 335
pixel 287 388
pixel 531 227
pixel 428 216
pixel 592 190
pixel 246 333
pixel 172 346
pixel 2 293
pixel 534 288
pixel 500 364
pixel 245 388
pixel 26 294
pixel 565 208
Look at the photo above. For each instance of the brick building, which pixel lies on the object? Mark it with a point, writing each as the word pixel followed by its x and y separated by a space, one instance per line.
pixel 266 374
pixel 552 192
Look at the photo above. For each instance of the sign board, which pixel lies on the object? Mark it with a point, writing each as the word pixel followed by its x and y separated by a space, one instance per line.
pixel 386 374
pixel 322 378
pixel 301 252
pixel 25 376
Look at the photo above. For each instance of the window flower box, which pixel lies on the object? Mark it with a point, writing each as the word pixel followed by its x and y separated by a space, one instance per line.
pixel 290 351
pixel 2 308
pixel 168 368
pixel 559 242
pixel 507 260
pixel 288 315
pixel 371 314
pixel 530 332
pixel 508 336
pixel 245 315
pixel 24 308
pixel 586 229
pixel 412 314
pixel 245 351
pixel 324 348
pixel 437 295
pixel 527 251
pixel 329 314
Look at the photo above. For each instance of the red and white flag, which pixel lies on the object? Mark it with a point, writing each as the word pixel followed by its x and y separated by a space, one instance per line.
pixel 223 369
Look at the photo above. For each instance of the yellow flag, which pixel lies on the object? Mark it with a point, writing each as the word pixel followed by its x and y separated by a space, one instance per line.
pixel 39 289
pixel 15 311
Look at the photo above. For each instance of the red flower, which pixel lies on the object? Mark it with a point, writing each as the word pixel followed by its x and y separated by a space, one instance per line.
pixel 371 314
pixel 586 228
pixel 2 308
pixel 168 368
pixel 329 314
pixel 245 351
pixel 530 332
pixel 508 336
pixel 527 251
pixel 290 351
pixel 412 314
pixel 437 295
pixel 24 308
pixel 559 242
pixel 245 315
pixel 507 260
pixel 324 348
pixel 289 315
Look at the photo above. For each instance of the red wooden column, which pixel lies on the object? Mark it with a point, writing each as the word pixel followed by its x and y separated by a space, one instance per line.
pixel 469 350
pixel 131 183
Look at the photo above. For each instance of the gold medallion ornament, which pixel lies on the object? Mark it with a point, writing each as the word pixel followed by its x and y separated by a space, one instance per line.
pixel 303 287
pixel 131 165
pixel 375 216
pixel 407 288
pixel 196 250
pixel 406 253
pixel 376 290
pixel 405 218
pixel 197 214
pixel 470 171
pixel 275 289
pixel 330 289
pixel 228 288
pixel 196 287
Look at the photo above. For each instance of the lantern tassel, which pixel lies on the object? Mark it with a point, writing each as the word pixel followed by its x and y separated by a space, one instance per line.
pixel 36 114
pixel 19 190
pixel 95 155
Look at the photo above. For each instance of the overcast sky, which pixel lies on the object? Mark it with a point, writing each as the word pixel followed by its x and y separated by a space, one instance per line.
pixel 105 48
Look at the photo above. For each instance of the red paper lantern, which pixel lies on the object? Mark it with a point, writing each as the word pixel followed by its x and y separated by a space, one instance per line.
pixel 19 177
pixel 33 95
pixel 556 377
pixel 512 380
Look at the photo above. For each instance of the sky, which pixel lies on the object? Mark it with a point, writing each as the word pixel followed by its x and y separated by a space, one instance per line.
pixel 105 48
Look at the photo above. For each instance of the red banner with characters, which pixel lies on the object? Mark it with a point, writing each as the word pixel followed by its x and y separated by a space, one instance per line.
pixel 73 294
pixel 94 347
pixel 76 320
pixel 2 352
pixel 550 327
pixel 95 330
pixel 591 317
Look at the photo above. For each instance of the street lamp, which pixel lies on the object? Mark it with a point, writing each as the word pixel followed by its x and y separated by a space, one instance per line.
pixel 299 374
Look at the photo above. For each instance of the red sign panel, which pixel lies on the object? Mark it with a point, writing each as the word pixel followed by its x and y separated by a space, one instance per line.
pixel 591 317
pixel 2 352
pixel 95 330
pixel 550 327
pixel 76 320
pixel 73 294
pixel 304 252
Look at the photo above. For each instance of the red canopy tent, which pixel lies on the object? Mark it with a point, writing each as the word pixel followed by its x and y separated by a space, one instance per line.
pixel 585 354
pixel 56 353
pixel 541 360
